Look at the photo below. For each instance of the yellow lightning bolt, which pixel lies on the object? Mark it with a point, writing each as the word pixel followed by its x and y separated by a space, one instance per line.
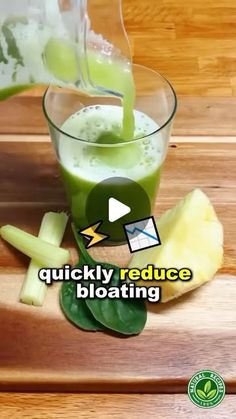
pixel 90 233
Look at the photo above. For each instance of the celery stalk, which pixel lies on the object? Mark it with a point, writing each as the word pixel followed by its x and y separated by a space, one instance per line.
pixel 52 230
pixel 44 254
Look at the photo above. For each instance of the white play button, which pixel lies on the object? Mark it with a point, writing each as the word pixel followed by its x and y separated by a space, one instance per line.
pixel 116 210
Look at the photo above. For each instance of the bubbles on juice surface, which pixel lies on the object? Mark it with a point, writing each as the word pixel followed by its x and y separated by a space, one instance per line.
pixel 98 150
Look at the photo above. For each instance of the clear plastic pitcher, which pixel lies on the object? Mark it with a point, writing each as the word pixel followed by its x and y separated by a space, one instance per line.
pixel 80 44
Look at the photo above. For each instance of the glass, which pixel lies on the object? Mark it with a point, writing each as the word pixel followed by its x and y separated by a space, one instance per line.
pixel 84 162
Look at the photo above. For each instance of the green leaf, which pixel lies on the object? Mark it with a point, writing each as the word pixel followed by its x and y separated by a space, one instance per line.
pixel 126 316
pixel 211 394
pixel 76 309
pixel 201 394
pixel 120 315
pixel 207 386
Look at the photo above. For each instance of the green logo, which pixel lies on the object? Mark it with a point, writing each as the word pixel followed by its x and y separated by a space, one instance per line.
pixel 206 389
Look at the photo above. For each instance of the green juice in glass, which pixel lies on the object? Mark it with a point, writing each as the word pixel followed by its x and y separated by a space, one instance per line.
pixel 114 146
pixel 109 143
pixel 102 156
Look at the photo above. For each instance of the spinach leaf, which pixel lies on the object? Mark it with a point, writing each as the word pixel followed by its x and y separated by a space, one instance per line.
pixel 126 316
pixel 76 309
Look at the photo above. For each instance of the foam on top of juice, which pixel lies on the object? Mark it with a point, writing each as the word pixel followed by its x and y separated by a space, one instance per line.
pixel 94 162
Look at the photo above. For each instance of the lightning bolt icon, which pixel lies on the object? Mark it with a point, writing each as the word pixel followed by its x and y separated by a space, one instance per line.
pixel 93 236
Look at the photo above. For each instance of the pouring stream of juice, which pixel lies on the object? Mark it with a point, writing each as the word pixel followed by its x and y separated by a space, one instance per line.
pixel 55 45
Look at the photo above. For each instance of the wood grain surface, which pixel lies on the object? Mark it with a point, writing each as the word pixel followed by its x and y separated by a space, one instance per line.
pixel 40 350
pixel 116 406
pixel 193 45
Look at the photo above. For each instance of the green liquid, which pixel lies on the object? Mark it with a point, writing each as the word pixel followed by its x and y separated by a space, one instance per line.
pixel 84 165
pixel 78 190
pixel 116 76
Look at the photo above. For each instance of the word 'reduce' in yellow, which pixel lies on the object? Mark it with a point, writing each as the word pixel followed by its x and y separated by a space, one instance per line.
pixel 150 273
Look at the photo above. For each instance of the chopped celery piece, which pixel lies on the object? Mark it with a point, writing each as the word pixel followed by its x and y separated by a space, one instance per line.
pixel 43 253
pixel 52 230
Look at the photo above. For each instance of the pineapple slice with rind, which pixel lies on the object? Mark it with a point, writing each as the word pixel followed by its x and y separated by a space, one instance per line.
pixel 191 237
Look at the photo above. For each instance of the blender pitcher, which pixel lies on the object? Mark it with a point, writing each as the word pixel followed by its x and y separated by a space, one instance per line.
pixel 69 43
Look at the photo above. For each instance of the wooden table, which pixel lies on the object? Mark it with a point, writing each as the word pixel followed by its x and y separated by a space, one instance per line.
pixel 108 406
pixel 193 45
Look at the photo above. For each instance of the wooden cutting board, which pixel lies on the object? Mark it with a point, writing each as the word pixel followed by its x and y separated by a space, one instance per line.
pixel 40 350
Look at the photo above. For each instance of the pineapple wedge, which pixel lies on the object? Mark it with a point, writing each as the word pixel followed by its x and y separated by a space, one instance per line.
pixel 192 237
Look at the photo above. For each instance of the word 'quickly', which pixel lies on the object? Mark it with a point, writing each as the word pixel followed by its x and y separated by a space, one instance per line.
pixel 67 273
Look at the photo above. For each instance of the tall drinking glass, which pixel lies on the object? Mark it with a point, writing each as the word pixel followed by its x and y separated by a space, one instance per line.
pixel 85 133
